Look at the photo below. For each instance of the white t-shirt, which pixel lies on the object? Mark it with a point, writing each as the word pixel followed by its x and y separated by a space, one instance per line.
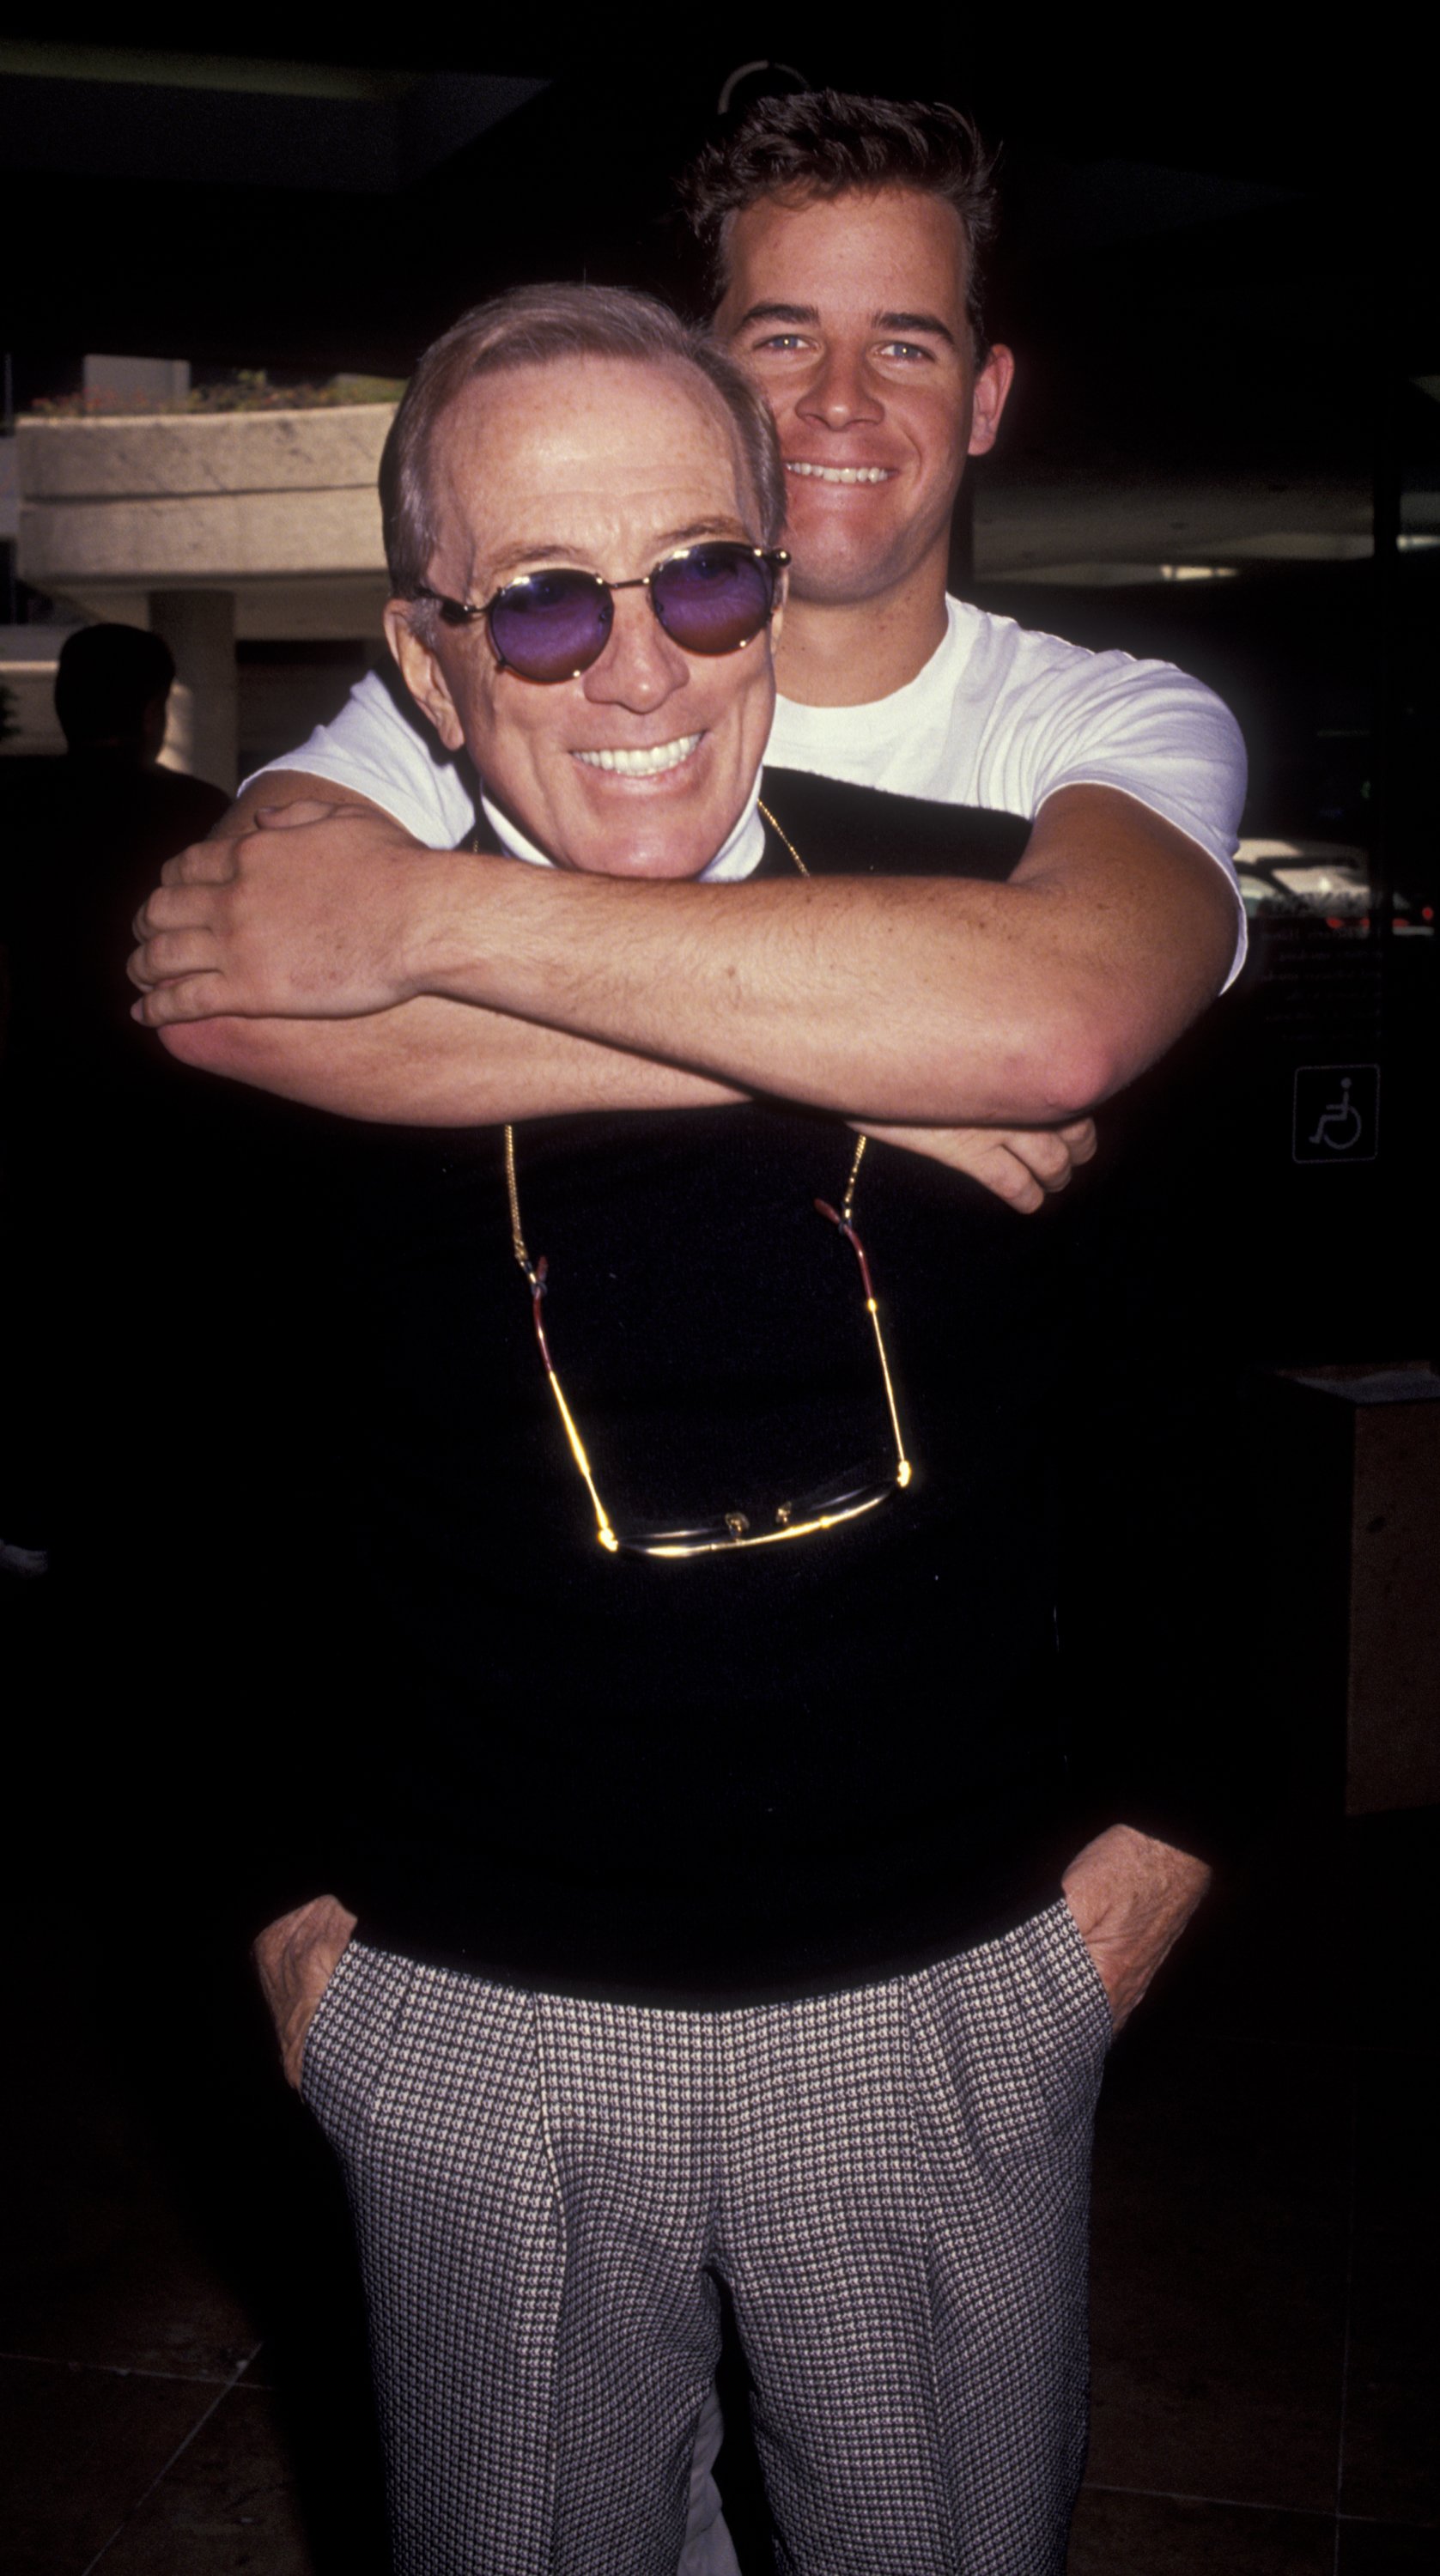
pixel 999 717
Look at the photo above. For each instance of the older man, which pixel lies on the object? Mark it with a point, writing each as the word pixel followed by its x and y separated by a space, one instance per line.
pixel 671 1503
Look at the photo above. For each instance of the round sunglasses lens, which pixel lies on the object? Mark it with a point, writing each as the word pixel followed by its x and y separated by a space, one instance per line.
pixel 713 599
pixel 552 624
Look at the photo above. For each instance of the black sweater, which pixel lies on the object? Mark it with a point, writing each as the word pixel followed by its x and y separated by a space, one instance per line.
pixel 777 1770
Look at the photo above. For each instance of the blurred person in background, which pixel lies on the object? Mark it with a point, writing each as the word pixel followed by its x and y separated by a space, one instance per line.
pixel 82 838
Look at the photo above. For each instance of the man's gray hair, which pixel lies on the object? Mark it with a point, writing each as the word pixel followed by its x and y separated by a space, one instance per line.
pixel 532 326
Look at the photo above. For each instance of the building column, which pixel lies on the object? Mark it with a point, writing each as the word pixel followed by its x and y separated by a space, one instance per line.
pixel 202 735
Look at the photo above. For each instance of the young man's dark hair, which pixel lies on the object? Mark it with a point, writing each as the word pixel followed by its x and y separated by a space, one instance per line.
pixel 825 143
pixel 107 679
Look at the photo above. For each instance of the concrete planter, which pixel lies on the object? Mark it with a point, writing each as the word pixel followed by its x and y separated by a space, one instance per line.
pixel 166 501
pixel 256 527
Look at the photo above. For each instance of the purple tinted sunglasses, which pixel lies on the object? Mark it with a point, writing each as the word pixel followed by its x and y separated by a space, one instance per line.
pixel 710 598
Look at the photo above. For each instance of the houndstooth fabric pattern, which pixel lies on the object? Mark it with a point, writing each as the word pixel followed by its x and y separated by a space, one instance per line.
pixel 892 2184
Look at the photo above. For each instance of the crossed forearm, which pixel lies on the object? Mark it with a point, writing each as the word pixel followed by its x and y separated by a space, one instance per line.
pixel 431 1063
pixel 842 994
pixel 916 999
pixel 508 993
pixel 907 1000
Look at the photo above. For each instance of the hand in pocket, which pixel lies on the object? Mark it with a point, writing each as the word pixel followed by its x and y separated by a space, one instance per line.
pixel 296 1958
pixel 1131 1898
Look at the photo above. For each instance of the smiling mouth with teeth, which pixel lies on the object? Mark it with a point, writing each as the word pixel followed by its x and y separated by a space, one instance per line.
pixel 643 764
pixel 840 473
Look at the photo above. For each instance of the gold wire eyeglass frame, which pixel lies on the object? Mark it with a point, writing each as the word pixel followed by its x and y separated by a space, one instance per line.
pixel 728 1531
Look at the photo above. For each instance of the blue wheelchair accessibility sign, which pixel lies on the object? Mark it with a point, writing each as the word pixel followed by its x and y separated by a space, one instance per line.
pixel 1337 1113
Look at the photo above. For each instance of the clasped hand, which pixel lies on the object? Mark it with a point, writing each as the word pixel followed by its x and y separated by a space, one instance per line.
pixel 292 921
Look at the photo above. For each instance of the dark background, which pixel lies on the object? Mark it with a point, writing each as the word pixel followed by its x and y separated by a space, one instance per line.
pixel 1216 272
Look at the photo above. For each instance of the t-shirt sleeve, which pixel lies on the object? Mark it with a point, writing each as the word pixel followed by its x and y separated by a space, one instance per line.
pixel 381 747
pixel 1155 734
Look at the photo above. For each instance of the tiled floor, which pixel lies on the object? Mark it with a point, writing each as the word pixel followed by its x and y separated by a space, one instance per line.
pixel 179 2378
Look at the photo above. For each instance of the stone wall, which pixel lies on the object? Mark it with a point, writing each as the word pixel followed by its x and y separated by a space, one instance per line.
pixel 257 526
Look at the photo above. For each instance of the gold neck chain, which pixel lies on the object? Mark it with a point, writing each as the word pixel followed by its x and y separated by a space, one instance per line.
pixel 782 835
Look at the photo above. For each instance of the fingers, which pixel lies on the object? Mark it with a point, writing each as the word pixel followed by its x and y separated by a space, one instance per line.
pixel 1052 1154
pixel 1082 1137
pixel 321 809
pixel 204 863
pixel 1021 1165
pixel 1043 1155
pixel 304 809
pixel 178 952
pixel 167 953
pixel 188 997
pixel 175 907
pixel 1013 1181
pixel 984 1154
pixel 989 1159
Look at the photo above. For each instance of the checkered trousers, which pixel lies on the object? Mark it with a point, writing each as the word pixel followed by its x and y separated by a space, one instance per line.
pixel 892 2183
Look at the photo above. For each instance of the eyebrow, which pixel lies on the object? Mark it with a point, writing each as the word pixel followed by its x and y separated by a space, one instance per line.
pixel 543 551
pixel 721 526
pixel 540 549
pixel 926 322
pixel 777 313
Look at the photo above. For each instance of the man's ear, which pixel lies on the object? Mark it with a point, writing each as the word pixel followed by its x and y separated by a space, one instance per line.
pixel 420 670
pixel 992 387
